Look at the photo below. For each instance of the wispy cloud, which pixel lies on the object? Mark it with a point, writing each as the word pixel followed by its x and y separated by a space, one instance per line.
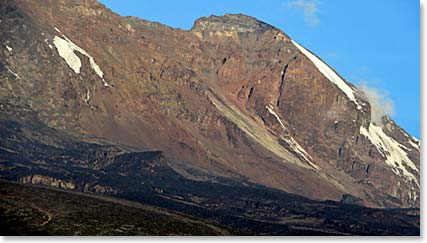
pixel 381 104
pixel 310 9
pixel 332 55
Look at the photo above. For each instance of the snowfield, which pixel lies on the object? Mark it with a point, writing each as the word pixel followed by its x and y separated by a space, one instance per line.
pixel 392 150
pixel 330 74
pixel 66 49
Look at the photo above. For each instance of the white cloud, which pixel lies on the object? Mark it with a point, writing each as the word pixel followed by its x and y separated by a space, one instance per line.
pixel 309 8
pixel 381 104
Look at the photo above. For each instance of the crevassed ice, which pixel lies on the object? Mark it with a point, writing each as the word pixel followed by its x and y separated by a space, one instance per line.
pixel 330 74
pixel 392 150
pixel 66 49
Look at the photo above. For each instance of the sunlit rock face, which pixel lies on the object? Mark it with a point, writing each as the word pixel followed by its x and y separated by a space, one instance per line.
pixel 233 96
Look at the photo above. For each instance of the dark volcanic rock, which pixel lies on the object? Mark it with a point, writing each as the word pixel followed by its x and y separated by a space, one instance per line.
pixel 349 199
pixel 231 23
pixel 88 214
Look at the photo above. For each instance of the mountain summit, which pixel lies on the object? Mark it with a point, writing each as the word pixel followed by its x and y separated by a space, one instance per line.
pixel 230 22
pixel 232 98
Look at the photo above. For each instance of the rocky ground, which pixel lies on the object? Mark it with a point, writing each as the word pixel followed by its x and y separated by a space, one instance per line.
pixel 31 210
pixel 50 158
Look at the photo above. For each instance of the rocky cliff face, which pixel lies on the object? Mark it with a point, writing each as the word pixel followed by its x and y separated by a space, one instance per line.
pixel 232 97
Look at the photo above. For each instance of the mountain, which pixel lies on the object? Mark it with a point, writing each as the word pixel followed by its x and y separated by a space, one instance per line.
pixel 29 210
pixel 232 110
pixel 84 214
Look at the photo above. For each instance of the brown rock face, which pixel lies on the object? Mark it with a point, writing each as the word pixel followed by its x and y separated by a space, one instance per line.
pixel 232 96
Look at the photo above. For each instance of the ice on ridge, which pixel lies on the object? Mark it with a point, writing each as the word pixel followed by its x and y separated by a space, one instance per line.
pixel 331 75
pixel 67 50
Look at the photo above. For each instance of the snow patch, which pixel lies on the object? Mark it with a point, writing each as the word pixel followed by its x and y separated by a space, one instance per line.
pixel 291 141
pixel 412 195
pixel 9 49
pixel 415 139
pixel 105 83
pixel 87 98
pixel 66 49
pixel 331 75
pixel 271 110
pixel 253 130
pixel 392 150
pixel 415 145
pixel 13 73
pixel 299 150
pixel 47 42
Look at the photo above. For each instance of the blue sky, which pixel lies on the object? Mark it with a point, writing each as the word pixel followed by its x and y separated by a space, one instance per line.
pixel 375 42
